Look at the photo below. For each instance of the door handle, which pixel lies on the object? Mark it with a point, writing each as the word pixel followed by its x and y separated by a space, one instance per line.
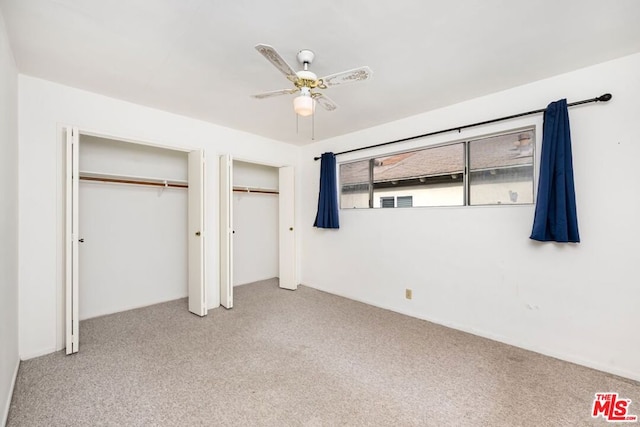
pixel 81 240
pixel 197 233
pixel 290 228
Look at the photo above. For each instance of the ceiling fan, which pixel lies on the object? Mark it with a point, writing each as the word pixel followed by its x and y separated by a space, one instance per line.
pixel 306 82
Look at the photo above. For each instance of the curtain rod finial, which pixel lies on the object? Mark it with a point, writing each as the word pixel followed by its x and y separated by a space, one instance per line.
pixel 606 97
pixel 316 158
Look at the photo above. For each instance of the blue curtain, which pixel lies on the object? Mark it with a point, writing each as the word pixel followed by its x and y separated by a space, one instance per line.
pixel 327 216
pixel 556 218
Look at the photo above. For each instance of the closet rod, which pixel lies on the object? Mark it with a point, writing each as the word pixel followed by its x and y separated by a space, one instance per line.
pixel 133 181
pixel 254 190
pixel 602 98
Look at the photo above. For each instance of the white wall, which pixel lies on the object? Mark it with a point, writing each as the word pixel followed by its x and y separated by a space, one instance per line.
pixel 255 222
pixel 8 222
pixel 254 175
pixel 475 268
pixel 43 108
pixel 134 251
pixel 103 155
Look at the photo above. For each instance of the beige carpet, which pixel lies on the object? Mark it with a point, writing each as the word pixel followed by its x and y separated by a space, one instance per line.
pixel 302 358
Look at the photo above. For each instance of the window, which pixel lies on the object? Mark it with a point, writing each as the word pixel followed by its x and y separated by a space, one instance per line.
pixel 432 176
pixel 387 202
pixel 501 169
pixel 483 171
pixel 405 201
pixel 354 184
pixel 396 202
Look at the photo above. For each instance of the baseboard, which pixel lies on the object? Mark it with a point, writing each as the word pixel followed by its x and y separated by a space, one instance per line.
pixel 39 353
pixel 540 350
pixel 635 376
pixel 5 415
pixel 134 307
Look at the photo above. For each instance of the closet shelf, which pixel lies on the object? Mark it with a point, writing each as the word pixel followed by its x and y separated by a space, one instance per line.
pixel 133 180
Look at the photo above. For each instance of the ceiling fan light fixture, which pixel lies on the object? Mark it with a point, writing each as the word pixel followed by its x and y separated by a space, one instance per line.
pixel 303 105
pixel 305 80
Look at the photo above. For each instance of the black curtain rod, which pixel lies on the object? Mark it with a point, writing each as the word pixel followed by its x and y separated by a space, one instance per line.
pixel 602 98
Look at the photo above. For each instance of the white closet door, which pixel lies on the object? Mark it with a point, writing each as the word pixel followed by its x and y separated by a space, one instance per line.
pixel 197 288
pixel 226 231
pixel 71 239
pixel 287 235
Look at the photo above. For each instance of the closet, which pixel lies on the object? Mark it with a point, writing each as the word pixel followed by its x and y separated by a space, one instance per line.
pixel 133 250
pixel 255 222
pixel 257 234
pixel 134 223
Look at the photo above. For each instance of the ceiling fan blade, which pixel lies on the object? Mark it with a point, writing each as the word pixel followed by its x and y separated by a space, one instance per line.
pixel 275 93
pixel 325 102
pixel 350 76
pixel 274 57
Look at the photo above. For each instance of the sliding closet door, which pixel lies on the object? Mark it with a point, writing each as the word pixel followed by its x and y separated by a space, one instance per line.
pixel 226 231
pixel 71 239
pixel 287 238
pixel 197 288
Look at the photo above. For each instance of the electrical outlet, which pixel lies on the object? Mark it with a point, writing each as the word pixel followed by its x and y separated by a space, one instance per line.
pixel 408 293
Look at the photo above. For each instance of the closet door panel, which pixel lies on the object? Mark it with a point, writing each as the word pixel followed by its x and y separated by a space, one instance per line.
pixel 226 231
pixel 287 270
pixel 197 289
pixel 71 240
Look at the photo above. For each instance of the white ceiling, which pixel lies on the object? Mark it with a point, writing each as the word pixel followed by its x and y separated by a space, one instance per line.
pixel 197 57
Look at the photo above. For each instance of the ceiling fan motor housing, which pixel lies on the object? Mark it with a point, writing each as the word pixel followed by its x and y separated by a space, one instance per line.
pixel 306 57
pixel 307 75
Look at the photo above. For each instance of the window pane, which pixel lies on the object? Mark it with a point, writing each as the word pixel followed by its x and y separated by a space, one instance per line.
pixel 502 169
pixel 430 177
pixel 387 202
pixel 499 151
pixel 354 185
pixel 405 201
